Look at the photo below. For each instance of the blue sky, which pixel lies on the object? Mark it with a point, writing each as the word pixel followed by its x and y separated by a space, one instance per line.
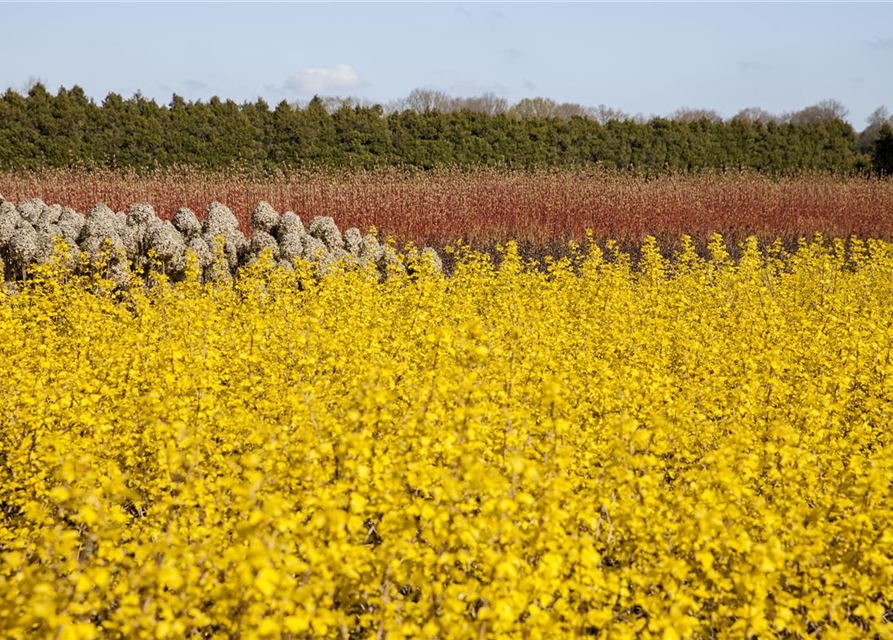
pixel 648 58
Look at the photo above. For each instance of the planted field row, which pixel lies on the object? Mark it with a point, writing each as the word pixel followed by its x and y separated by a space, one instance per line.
pixel 540 210
pixel 34 233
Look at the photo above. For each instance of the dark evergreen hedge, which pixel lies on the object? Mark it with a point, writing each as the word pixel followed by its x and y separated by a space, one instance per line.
pixel 44 130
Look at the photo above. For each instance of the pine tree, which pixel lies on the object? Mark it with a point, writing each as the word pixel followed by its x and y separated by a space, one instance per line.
pixel 882 159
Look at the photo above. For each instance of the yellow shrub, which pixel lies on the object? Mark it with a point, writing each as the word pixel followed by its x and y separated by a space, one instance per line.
pixel 684 448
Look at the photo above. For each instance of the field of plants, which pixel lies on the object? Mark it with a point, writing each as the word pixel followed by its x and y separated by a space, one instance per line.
pixel 291 350
pixel 539 210
pixel 683 447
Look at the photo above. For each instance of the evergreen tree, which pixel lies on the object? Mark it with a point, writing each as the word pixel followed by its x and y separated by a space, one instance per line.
pixel 882 158
pixel 44 130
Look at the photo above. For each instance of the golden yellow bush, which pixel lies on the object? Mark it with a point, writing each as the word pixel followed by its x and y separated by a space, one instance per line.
pixel 680 448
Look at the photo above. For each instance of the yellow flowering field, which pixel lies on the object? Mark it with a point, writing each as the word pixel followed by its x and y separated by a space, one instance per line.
pixel 676 448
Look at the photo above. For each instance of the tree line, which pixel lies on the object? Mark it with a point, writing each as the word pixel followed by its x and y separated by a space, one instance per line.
pixel 39 129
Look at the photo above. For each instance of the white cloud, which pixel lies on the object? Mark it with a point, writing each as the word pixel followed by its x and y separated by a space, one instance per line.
pixel 324 80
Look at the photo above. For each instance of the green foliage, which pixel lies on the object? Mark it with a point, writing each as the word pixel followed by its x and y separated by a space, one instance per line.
pixel 882 159
pixel 42 130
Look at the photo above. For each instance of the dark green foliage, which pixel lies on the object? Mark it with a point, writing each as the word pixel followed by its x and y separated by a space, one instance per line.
pixel 882 158
pixel 41 130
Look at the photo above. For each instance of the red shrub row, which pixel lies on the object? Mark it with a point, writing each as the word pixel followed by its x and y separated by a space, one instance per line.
pixel 485 206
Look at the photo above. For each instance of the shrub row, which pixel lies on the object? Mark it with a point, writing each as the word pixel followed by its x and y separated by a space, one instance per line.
pixel 33 232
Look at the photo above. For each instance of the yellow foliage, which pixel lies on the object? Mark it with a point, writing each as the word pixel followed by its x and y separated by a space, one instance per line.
pixel 682 448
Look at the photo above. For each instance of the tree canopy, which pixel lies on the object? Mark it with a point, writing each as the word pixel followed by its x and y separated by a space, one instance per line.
pixel 40 129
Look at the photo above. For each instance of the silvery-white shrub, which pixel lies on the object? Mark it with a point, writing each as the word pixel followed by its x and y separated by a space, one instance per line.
pixel 45 246
pixel 314 249
pixel 186 222
pixel 122 240
pixel 53 245
pixel 291 247
pixel 202 251
pixel 386 260
pixel 101 222
pixel 336 257
pixel 371 247
pixel 9 219
pixel 73 253
pixel 323 228
pixel 31 209
pixel 118 272
pixel 153 223
pixel 99 249
pixel 353 241
pixel 120 222
pixel 132 238
pixel 139 215
pixel 234 247
pixel 22 248
pixel 260 242
pixel 289 224
pixel 138 219
pixel 168 245
pixel 48 217
pixel 264 217
pixel 70 223
pixel 220 221
pixel 217 272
